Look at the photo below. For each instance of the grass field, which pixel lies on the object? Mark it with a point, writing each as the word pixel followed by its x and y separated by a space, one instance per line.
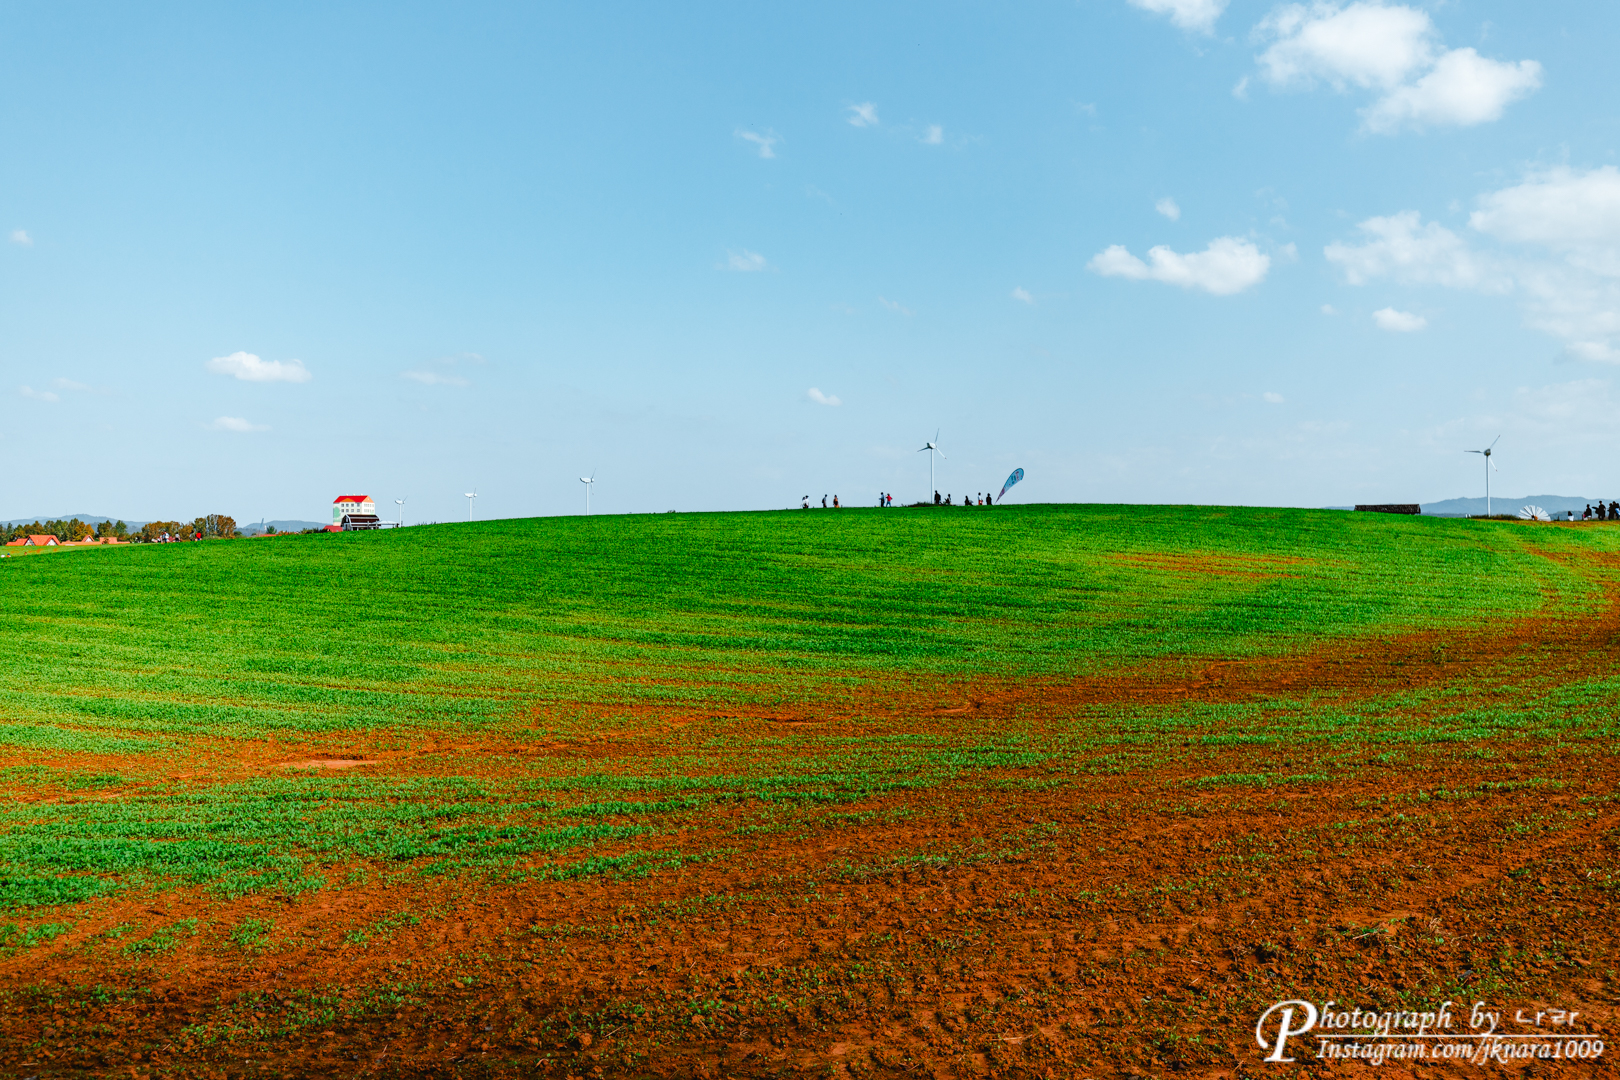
pixel 937 792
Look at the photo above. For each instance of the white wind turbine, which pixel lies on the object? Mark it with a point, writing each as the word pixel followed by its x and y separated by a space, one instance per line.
pixel 1490 466
pixel 932 446
pixel 471 495
pixel 588 481
pixel 401 503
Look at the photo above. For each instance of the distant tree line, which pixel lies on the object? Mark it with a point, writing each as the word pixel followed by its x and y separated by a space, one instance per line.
pixel 66 531
pixel 73 530
pixel 222 526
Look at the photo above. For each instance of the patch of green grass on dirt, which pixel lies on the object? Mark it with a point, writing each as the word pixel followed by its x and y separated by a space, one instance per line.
pixel 123 671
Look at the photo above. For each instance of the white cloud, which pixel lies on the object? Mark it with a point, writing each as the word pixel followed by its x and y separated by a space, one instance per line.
pixel 1227 266
pixel 1020 293
pixel 822 399
pixel 20 236
pixel 1167 206
pixel 1565 225
pixel 249 368
pixel 1393 50
pixel 746 262
pixel 1464 89
pixel 1271 397
pixel 764 142
pixel 1241 90
pixel 1199 15
pixel 1399 322
pixel 1370 45
pixel 933 135
pixel 894 306
pixel 1329 309
pixel 1400 246
pixel 69 384
pixel 1584 405
pixel 1573 216
pixel 37 395
pixel 428 377
pixel 433 378
pixel 1576 214
pixel 863 115
pixel 237 424
pixel 1579 307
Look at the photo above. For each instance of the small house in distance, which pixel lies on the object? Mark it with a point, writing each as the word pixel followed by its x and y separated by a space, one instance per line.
pixel 351 512
pixel 33 541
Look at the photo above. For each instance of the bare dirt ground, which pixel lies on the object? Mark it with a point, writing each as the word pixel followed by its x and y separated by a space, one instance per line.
pixel 1116 925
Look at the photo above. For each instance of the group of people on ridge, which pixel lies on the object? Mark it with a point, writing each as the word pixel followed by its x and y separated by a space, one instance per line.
pixel 886 498
pixel 983 500
pixel 1601 513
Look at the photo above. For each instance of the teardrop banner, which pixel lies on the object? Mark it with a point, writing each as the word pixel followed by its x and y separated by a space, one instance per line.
pixel 1017 475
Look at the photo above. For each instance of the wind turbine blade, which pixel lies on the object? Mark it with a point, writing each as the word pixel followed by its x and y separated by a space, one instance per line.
pixel 1495 441
pixel 938 451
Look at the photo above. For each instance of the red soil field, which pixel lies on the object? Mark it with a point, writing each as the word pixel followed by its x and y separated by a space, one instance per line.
pixel 1057 935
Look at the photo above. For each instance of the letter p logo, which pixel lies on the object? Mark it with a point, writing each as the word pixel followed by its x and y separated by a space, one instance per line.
pixel 1285 1027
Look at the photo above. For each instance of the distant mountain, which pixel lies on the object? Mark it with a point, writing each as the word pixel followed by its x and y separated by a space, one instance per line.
pixel 1501 504
pixel 253 528
pixel 88 519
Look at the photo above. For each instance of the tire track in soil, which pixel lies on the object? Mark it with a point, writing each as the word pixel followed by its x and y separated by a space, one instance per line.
pixel 882 1041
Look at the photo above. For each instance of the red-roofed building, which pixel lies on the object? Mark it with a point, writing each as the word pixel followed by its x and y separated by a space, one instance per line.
pixel 40 541
pixel 344 505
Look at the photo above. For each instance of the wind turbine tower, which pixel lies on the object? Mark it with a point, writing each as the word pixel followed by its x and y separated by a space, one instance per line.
pixel 588 481
pixel 471 495
pixel 1490 467
pixel 401 503
pixel 932 446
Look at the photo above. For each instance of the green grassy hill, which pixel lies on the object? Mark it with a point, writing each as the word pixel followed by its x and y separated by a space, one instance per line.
pixel 473 624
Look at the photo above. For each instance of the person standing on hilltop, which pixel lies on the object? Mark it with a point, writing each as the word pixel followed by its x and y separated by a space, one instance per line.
pixel 824 502
pixel 835 502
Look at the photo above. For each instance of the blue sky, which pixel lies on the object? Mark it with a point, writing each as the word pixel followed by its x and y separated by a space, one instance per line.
pixel 725 255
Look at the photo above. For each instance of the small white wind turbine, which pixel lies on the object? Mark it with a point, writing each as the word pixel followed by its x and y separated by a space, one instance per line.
pixel 932 446
pixel 471 495
pixel 588 481
pixel 1490 467
pixel 401 503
